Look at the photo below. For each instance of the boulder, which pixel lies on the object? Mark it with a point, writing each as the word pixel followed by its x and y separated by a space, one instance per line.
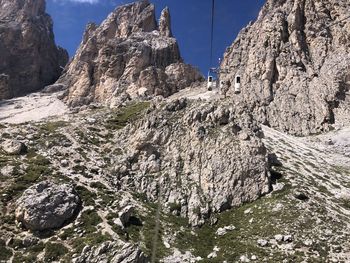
pixel 46 205
pixel 13 147
pixel 125 214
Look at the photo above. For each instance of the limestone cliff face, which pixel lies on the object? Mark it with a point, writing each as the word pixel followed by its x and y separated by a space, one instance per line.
pixel 29 57
pixel 128 54
pixel 219 163
pixel 295 64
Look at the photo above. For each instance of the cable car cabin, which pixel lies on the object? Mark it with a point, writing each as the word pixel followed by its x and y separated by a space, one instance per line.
pixel 211 82
pixel 238 84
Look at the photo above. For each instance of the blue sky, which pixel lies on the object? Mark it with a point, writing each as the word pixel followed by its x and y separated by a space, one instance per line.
pixel 190 23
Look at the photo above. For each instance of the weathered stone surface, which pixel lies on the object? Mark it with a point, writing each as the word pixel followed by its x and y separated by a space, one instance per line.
pixel 29 57
pixel 194 159
pixel 127 55
pixel 46 205
pixel 113 252
pixel 295 70
pixel 13 147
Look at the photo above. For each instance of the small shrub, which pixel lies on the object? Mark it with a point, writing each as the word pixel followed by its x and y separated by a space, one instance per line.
pixel 5 253
pixel 54 251
pixel 90 219
pixel 86 196
pixel 174 207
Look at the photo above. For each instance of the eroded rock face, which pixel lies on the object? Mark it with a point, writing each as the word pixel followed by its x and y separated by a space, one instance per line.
pixel 46 205
pixel 195 158
pixel 127 54
pixel 29 57
pixel 295 70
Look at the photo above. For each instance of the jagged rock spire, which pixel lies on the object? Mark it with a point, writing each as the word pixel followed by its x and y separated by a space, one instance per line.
pixel 165 23
pixel 127 56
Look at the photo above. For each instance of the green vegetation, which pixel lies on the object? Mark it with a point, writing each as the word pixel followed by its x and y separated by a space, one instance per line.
pixel 30 254
pixel 174 207
pixel 5 253
pixel 98 185
pixel 125 115
pixel 86 196
pixel 54 251
pixel 91 239
pixel 345 203
pixel 52 127
pixel 242 240
pixel 67 233
pixel 20 258
pixel 90 219
pixel 38 168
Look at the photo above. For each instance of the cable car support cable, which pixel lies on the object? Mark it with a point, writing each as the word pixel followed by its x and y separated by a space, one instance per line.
pixel 212 31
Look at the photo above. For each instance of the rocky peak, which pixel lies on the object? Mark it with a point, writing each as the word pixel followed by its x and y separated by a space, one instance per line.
pixel 20 8
pixel 29 57
pixel 127 57
pixel 165 23
pixel 130 18
pixel 294 66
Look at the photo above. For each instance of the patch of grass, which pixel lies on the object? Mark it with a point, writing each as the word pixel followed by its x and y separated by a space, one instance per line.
pixel 36 249
pixel 5 253
pixel 52 127
pixel 98 186
pixel 126 115
pixel 16 244
pixel 67 233
pixel 345 203
pixel 20 258
pixel 86 196
pixel 80 169
pixel 107 198
pixel 90 219
pixel 324 190
pixel 91 239
pixel 38 167
pixel 242 240
pixel 54 251
pixel 174 207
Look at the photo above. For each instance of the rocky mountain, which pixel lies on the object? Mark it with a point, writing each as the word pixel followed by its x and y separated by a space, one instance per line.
pixel 295 64
pixel 195 176
pixel 128 56
pixel 29 57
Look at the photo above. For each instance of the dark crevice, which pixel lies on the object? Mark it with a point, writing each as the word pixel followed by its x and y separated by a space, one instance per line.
pixel 274 79
pixel 285 32
pixel 340 96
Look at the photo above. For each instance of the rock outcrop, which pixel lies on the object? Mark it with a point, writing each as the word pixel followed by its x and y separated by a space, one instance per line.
pixel 115 252
pixel 127 56
pixel 219 162
pixel 294 63
pixel 13 147
pixel 29 57
pixel 46 205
